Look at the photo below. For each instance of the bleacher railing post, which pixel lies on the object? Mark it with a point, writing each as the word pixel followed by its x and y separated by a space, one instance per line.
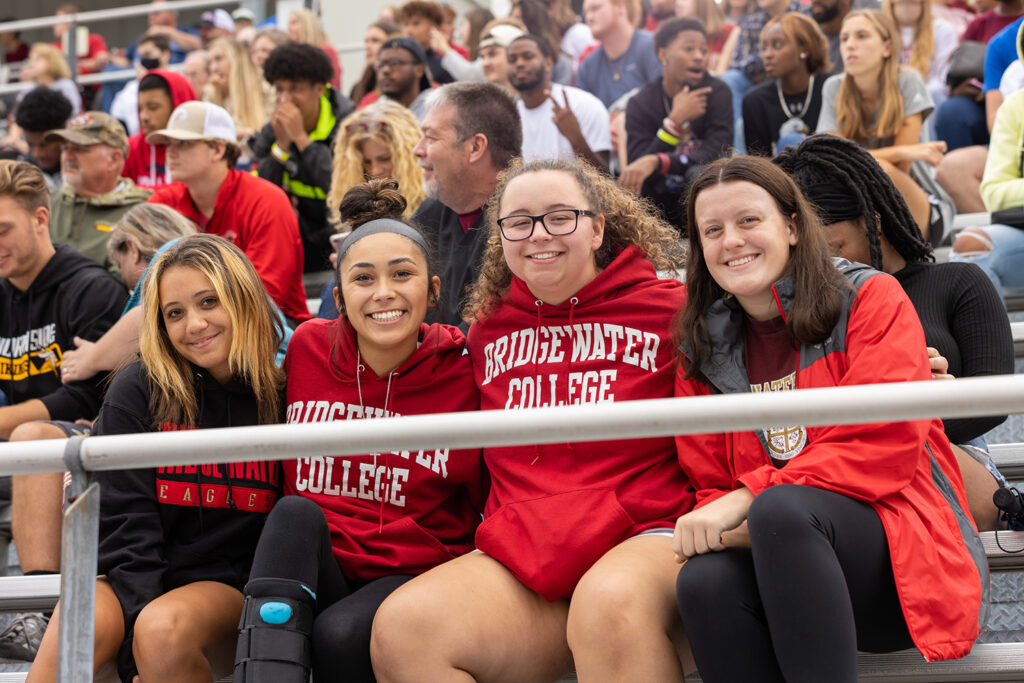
pixel 79 538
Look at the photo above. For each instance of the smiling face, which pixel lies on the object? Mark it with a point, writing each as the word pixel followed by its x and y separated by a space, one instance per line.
pixel 384 290
pixel 780 55
pixel 685 58
pixel 746 242
pixel 445 162
pixel 198 325
pixel 23 236
pixel 260 50
pixel 862 47
pixel 553 267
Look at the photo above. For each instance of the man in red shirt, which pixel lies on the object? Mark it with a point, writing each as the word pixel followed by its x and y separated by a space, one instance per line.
pixel 251 212
pixel 93 56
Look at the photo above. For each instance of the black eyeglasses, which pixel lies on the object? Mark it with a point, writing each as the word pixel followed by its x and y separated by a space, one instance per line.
pixel 557 222
pixel 391 63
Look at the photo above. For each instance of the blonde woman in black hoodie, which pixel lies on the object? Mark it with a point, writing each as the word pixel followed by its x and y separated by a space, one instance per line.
pixel 176 543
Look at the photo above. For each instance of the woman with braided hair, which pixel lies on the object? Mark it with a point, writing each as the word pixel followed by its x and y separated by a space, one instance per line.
pixel 967 331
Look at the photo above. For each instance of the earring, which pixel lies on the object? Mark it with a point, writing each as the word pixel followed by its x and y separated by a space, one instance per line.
pixel 803 55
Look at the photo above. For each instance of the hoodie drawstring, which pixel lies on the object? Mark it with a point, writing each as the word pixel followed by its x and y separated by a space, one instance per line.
pixel 778 304
pixel 568 361
pixel 360 368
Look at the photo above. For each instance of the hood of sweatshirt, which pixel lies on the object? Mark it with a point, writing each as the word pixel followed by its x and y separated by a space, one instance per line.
pixel 146 163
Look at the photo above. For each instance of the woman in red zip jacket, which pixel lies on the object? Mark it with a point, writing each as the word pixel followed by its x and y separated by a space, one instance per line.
pixel 353 528
pixel 809 543
pixel 576 561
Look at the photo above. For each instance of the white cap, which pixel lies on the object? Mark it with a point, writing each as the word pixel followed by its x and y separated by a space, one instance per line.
pixel 196 121
pixel 220 19
pixel 244 14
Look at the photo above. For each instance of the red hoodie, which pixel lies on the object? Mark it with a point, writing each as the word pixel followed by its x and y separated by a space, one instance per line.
pixel 555 509
pixel 389 513
pixel 145 162
pixel 256 216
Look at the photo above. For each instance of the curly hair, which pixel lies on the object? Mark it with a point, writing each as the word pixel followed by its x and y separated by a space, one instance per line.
pixel 393 126
pixel 42 109
pixel 629 220
pixel 298 62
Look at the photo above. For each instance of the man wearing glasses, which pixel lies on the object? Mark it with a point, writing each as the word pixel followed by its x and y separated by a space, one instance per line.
pixel 402 75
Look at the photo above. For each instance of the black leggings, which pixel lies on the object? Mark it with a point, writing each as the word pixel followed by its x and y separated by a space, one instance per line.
pixel 296 545
pixel 816 586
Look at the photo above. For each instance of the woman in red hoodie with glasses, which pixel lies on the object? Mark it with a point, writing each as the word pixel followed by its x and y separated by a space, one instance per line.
pixel 354 528
pixel 576 561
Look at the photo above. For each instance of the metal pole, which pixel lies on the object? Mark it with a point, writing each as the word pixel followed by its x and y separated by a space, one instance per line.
pixel 79 538
pixel 73 49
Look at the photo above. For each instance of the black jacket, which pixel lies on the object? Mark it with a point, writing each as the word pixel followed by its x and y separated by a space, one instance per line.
pixel 459 253
pixel 313 168
pixel 158 531
pixel 711 139
pixel 72 296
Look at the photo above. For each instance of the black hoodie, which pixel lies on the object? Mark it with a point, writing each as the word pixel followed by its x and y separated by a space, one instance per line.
pixel 157 532
pixel 72 296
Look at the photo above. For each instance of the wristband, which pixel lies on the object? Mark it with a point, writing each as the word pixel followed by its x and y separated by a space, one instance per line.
pixel 667 137
pixel 670 126
pixel 663 158
pixel 279 153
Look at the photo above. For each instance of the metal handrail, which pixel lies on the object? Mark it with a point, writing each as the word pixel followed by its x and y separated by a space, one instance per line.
pixel 93 16
pixel 966 397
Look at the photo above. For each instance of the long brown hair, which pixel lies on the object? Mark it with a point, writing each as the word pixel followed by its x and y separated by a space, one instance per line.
pixel 629 220
pixel 817 282
pixel 851 118
pixel 256 331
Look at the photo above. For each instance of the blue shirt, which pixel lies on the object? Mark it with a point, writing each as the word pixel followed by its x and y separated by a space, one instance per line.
pixel 610 79
pixel 1001 52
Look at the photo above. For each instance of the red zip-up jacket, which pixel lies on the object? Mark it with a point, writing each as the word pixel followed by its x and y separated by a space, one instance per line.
pixel 389 513
pixel 555 509
pixel 257 217
pixel 906 471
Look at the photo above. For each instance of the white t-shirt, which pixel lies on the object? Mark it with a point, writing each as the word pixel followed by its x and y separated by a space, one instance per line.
pixel 577 39
pixel 1013 79
pixel 541 139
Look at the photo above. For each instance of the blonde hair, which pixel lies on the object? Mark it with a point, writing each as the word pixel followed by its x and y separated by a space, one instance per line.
pixel 244 99
pixel 56 65
pixel 256 332
pixel 922 49
pixel 711 15
pixel 393 126
pixel 148 227
pixel 310 30
pixel 851 118
pixel 629 221
pixel 24 183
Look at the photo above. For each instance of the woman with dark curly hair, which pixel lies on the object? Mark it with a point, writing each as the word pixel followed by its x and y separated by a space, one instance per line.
pixel 575 562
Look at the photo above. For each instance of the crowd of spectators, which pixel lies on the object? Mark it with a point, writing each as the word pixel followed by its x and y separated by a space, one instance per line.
pixel 878 113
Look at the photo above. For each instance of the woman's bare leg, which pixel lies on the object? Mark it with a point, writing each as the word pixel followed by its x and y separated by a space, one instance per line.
pixel 188 634
pixel 469 620
pixel 623 622
pixel 109 634
pixel 980 485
